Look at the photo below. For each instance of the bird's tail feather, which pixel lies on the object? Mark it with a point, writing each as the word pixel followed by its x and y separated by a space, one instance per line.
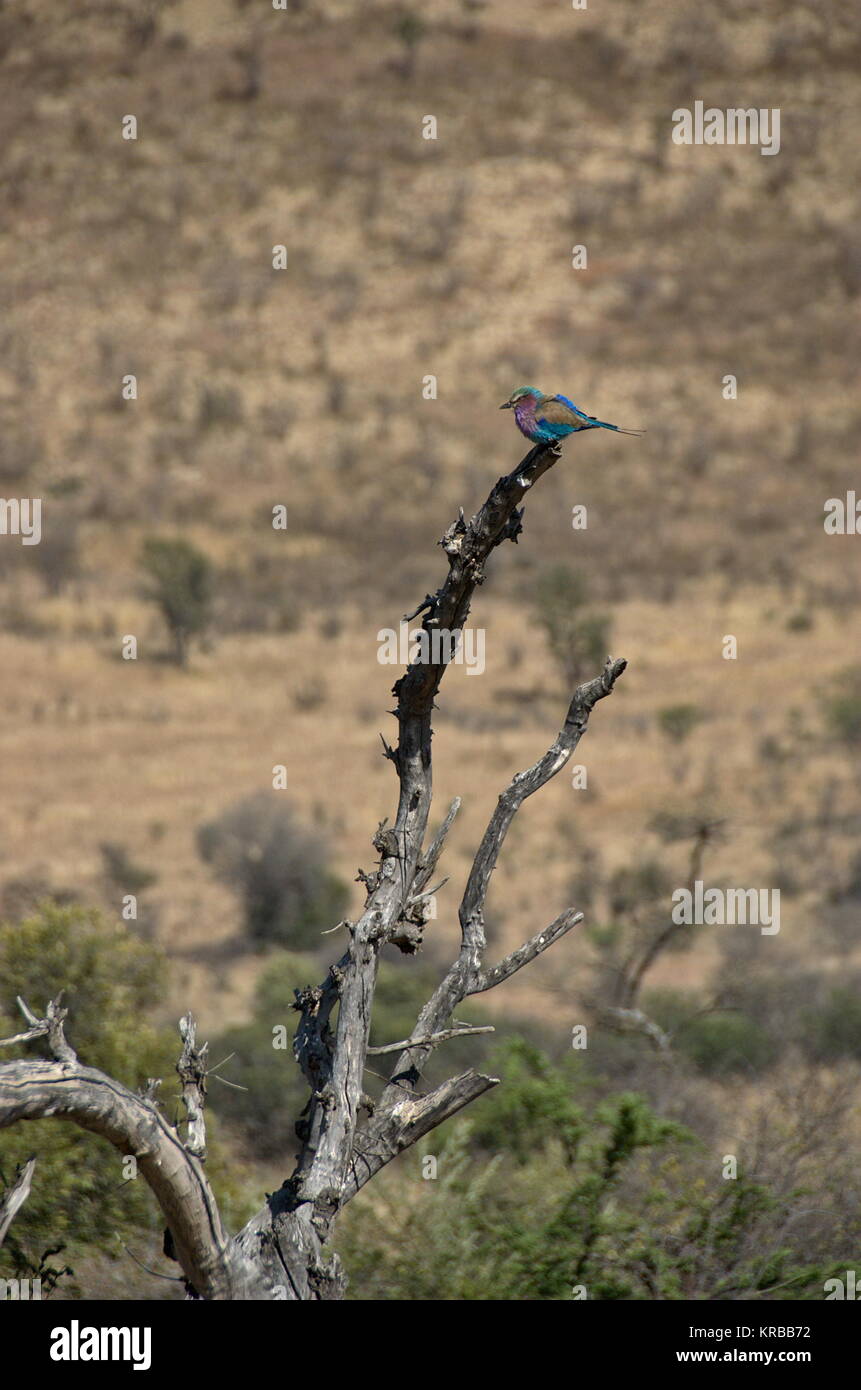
pixel 618 428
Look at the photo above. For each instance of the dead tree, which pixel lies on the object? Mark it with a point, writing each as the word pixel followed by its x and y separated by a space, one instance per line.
pixel 344 1139
pixel 622 1010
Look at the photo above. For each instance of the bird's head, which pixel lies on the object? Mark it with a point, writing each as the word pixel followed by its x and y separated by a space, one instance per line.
pixel 520 394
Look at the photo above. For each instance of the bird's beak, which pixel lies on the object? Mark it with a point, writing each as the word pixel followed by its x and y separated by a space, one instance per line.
pixel 506 405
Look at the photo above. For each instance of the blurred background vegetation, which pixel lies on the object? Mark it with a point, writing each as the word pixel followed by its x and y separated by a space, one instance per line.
pixel 257 647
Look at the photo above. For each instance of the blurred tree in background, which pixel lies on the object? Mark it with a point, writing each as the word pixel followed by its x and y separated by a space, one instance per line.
pixel 180 583
pixel 579 640
pixel 278 869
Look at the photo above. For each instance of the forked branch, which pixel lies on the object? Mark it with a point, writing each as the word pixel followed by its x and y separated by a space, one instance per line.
pixel 64 1089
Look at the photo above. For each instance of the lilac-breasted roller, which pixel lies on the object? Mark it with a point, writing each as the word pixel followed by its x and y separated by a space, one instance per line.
pixel 550 419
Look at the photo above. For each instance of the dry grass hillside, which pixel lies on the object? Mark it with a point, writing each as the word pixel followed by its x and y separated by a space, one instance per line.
pixel 408 258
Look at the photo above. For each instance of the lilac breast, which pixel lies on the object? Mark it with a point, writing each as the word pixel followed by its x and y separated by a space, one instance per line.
pixel 524 414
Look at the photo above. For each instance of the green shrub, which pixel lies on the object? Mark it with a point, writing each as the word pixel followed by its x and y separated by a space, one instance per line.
pixel 274 1091
pixel 637 889
pixel 724 1044
pixel 277 868
pixel 110 982
pixel 802 621
pixel 635 1210
pixel 80 1201
pixel 180 583
pixel 121 871
pixel 486 1230
pixel 716 1043
pixel 533 1107
pixel 578 640
pixel 843 708
pixel 677 722
pixel 834 1029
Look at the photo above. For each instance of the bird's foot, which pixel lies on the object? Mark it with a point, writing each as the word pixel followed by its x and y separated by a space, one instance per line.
pixel 555 449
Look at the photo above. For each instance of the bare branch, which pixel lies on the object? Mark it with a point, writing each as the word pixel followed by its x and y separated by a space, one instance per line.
pixel 527 952
pixel 523 785
pixel 38 1032
pixel 430 860
pixel 27 1011
pixel 437 1038
pixel 94 1101
pixel 635 969
pixel 191 1069
pixel 50 1027
pixel 15 1197
pixel 410 1120
pixel 635 1021
pixel 465 975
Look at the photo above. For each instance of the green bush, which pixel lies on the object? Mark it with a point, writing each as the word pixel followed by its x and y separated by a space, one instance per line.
pixel 533 1107
pixel 482 1230
pixel 801 621
pixel 111 981
pixel 634 1210
pixel 834 1029
pixel 180 582
pixel 277 868
pixel 266 1109
pixel 852 887
pixel 80 1201
pixel 578 640
pixel 676 722
pixel 724 1044
pixel 717 1043
pixel 843 708
pixel 122 872
pixel 640 889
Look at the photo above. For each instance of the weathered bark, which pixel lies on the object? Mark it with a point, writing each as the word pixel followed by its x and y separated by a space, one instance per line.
pixel 94 1101
pixel 282 1251
pixel 15 1196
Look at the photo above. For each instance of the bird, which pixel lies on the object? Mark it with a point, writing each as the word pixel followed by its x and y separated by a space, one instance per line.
pixel 550 419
